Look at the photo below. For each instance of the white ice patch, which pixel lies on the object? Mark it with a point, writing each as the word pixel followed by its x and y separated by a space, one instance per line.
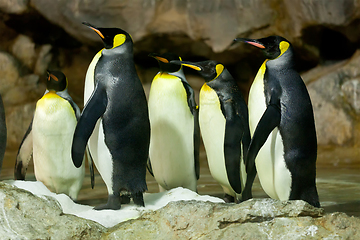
pixel 109 218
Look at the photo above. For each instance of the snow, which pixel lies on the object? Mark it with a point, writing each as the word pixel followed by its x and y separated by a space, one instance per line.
pixel 109 218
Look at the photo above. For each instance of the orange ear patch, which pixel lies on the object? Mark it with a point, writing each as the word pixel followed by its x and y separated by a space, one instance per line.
pixel 164 60
pixel 53 77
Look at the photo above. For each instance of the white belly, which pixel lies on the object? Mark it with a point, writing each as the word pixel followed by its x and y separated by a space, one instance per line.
pixel 172 134
pixel 98 149
pixel 274 177
pixel 212 126
pixel 53 128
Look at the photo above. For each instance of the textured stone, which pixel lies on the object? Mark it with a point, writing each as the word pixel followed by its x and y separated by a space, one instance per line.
pixel 335 97
pixel 305 13
pixel 24 50
pixel 253 219
pixel 326 117
pixel 26 216
pixel 43 59
pixel 18 119
pixel 351 91
pixel 219 22
pixel 9 72
pixel 14 6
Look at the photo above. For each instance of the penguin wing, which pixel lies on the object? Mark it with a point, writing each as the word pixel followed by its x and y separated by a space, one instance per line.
pixel 91 166
pixel 234 131
pixel 24 154
pixel 269 120
pixel 195 112
pixel 93 110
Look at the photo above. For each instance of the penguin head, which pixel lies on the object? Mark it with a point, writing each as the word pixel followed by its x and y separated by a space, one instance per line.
pixel 112 37
pixel 164 61
pixel 56 81
pixel 272 47
pixel 209 70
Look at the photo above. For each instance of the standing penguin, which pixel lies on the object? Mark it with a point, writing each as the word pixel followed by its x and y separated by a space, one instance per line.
pixel 175 133
pixel 48 140
pixel 3 133
pixel 119 141
pixel 224 127
pixel 283 145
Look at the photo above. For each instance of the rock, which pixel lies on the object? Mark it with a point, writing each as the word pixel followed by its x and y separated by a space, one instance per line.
pixel 9 72
pixel 26 216
pixel 335 97
pixel 305 13
pixel 253 219
pixel 43 59
pixel 221 21
pixel 18 119
pixel 24 50
pixel 351 93
pixel 14 6
pixel 327 115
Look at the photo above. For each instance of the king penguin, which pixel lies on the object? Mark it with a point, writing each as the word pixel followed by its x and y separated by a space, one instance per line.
pixel 223 119
pixel 115 119
pixel 284 144
pixel 175 133
pixel 48 140
pixel 3 132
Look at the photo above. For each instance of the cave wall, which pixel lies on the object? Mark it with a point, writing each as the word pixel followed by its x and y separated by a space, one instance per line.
pixel 38 34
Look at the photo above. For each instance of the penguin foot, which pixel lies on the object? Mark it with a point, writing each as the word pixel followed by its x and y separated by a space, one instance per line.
pixel 228 198
pixel 246 196
pixel 114 203
pixel 125 199
pixel 138 199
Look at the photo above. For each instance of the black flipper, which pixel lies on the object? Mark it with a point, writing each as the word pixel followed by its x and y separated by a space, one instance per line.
pixel 195 112
pixel 269 120
pixel 91 166
pixel 234 131
pixel 93 110
pixel 24 154
pixel 149 167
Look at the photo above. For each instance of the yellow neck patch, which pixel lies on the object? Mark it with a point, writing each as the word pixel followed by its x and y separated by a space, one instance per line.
pixel 205 88
pixel 118 40
pixel 284 46
pixel 50 94
pixel 219 70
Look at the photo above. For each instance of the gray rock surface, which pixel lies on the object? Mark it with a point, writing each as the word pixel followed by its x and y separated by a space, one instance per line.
pixel 335 96
pixel 14 6
pixel 253 219
pixel 26 216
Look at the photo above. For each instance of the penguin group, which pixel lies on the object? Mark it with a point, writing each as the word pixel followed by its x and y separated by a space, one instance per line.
pixel 123 133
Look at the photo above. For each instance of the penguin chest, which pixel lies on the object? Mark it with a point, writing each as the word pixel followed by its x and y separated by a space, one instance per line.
pixel 274 176
pixel 172 130
pixel 212 126
pixel 53 128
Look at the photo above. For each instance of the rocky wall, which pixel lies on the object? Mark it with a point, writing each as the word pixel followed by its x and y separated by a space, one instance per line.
pixel 39 34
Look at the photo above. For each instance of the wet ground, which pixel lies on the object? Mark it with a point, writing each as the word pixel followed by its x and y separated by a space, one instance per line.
pixel 338 181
